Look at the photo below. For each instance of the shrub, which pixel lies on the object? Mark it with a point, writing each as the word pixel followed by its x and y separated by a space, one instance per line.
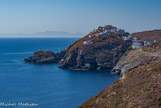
pixel 158 101
pixel 145 49
pixel 130 48
pixel 125 54
pixel 156 68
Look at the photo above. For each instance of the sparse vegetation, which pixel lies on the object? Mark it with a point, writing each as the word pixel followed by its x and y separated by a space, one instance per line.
pixel 145 49
pixel 110 33
pixel 104 96
pixel 103 38
pixel 156 68
pixel 158 102
pixel 149 96
pixel 141 83
pixel 130 48
pixel 125 54
pixel 135 89
pixel 106 105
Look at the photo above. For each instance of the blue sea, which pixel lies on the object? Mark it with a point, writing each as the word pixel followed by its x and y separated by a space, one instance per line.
pixel 44 85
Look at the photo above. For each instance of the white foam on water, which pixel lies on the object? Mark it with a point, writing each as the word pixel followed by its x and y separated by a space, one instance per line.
pixel 16 61
pixel 25 68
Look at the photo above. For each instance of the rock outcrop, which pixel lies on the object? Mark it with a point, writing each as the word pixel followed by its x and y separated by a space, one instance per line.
pixel 42 57
pixel 138 88
pixel 100 49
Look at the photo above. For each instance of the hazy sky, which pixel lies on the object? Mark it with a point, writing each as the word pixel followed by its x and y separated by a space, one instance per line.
pixel 28 16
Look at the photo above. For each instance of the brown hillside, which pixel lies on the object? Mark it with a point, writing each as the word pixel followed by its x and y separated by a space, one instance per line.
pixel 148 35
pixel 138 88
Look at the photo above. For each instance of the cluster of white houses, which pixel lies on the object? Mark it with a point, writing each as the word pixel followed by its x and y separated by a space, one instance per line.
pixel 105 32
pixel 139 43
pixel 136 42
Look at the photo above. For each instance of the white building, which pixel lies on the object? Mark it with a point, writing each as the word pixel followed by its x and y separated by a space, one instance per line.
pixel 149 43
pixel 90 36
pixel 145 43
pixel 117 31
pixel 136 45
pixel 127 38
pixel 99 34
pixel 135 39
pixel 105 32
pixel 113 30
pixel 86 42
pixel 155 40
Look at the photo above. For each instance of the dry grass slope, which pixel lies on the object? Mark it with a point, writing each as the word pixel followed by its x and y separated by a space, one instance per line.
pixel 138 88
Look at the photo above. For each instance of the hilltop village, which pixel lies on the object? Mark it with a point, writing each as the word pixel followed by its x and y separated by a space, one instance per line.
pixel 103 31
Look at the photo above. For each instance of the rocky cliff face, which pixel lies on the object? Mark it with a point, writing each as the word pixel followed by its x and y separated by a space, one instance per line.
pixel 100 49
pixel 133 58
pixel 138 88
pixel 42 57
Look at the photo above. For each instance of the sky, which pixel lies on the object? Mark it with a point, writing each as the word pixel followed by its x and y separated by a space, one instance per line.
pixel 29 16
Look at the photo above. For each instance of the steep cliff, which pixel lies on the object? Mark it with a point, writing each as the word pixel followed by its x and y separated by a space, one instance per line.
pixel 138 88
pixel 133 58
pixel 100 49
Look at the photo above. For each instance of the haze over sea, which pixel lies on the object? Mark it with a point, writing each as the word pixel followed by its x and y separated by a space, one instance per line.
pixel 45 84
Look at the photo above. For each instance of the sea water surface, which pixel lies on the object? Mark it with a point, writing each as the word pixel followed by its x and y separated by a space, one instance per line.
pixel 45 84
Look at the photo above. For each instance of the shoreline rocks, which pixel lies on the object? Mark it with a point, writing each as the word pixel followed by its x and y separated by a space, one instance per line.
pixel 42 57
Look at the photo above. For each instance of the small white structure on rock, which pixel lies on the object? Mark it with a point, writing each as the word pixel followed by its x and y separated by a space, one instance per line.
pixel 86 42
pixel 135 38
pixel 155 40
pixel 105 32
pixel 90 36
pixel 127 38
pixel 99 34
pixel 145 43
pixel 137 45
pixel 113 30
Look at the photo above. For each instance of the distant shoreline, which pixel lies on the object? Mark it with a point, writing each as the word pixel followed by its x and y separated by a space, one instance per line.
pixel 35 37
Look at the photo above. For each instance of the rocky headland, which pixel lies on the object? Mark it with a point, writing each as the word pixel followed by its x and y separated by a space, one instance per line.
pixel 100 49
